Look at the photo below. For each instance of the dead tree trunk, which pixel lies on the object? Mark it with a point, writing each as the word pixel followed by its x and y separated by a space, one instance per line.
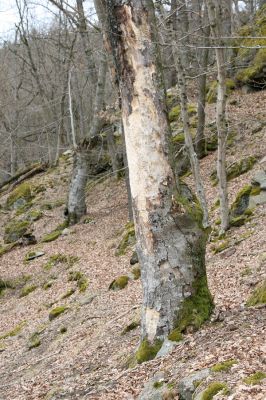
pixel 215 15
pixel 170 239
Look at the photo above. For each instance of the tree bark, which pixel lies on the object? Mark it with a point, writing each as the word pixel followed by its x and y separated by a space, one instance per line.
pixel 194 162
pixel 170 242
pixel 215 15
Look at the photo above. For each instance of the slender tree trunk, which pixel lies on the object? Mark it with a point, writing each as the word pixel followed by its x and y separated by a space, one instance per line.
pixel 194 162
pixel 170 243
pixel 77 190
pixel 200 137
pixel 215 15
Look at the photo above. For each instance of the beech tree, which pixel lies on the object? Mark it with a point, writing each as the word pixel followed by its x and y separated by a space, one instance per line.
pixel 168 219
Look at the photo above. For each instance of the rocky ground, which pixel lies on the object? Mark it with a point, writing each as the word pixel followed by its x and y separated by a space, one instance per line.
pixel 82 353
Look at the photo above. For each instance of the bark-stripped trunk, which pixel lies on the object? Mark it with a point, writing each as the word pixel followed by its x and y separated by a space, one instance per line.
pixel 170 243
pixel 194 162
pixel 215 15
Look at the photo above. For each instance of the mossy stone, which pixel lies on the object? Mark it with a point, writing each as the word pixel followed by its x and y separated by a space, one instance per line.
pixel 238 221
pixel 34 215
pixel 27 290
pixel 119 283
pixel 211 96
pixel 80 278
pixel 213 389
pixel 223 366
pixel 147 351
pixel 50 237
pixel 34 341
pixel 19 196
pixel 68 293
pixel 221 247
pixel 258 296
pixel 255 378
pixel 241 202
pixel 6 248
pixel 127 239
pixel 136 271
pixel 235 169
pixel 15 230
pixel 197 308
pixel 56 312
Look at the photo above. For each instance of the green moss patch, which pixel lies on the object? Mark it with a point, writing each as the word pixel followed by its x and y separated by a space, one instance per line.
pixel 255 378
pixel 223 366
pixel 197 308
pixel 68 294
pixel 127 239
pixel 236 169
pixel 57 259
pixel 221 247
pixel 14 332
pixel 147 351
pixel 136 273
pixel 158 384
pixel 175 335
pixel 56 312
pixel 34 341
pixel 50 237
pixel 174 113
pixel 241 202
pixel 15 230
pixel 213 389
pixel 20 196
pixel 27 290
pixel 258 296
pixel 34 215
pixel 119 283
pixel 6 248
pixel 80 278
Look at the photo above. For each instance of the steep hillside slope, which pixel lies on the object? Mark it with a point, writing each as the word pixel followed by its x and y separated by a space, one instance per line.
pixel 63 332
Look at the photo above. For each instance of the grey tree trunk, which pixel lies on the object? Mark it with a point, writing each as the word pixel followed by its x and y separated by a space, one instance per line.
pixel 194 162
pixel 77 189
pixel 170 239
pixel 77 185
pixel 215 15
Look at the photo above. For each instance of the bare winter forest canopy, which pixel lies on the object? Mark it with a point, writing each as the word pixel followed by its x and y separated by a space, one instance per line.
pixel 132 200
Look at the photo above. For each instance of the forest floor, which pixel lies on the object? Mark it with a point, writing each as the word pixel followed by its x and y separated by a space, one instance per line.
pixel 82 353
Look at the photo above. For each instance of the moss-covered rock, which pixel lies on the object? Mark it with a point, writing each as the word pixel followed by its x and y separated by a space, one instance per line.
pixel 119 283
pixel 255 378
pixel 59 258
pixel 15 230
pixel 223 366
pixel 34 341
pixel 236 169
pixel 27 290
pixel 68 293
pixel 250 54
pixel 241 202
pixel 20 196
pixel 258 296
pixel 147 351
pixel 57 311
pixel 136 271
pixel 213 389
pixel 128 239
pixel 196 308
pixel 50 237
